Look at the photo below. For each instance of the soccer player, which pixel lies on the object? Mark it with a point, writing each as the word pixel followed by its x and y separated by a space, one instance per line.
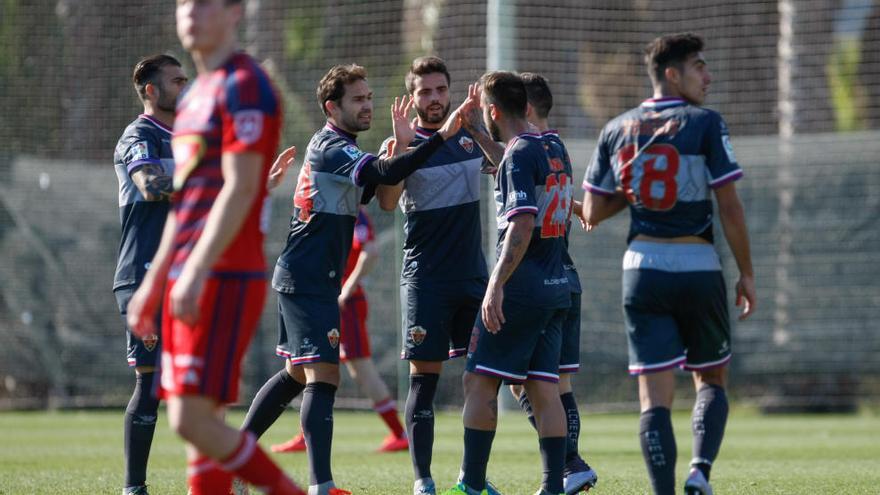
pixel 209 267
pixel 578 475
pixel 354 341
pixel 663 158
pixel 144 167
pixel 518 334
pixel 443 278
pixel 335 178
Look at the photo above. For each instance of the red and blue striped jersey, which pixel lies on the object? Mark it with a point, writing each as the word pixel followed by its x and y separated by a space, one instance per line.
pixel 233 109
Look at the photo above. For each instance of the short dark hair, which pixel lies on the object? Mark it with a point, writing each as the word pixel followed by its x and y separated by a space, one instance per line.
pixel 507 91
pixel 147 71
pixel 538 92
pixel 332 85
pixel 422 66
pixel 670 50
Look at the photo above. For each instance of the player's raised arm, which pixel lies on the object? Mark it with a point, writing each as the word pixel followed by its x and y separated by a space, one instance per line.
pixel 280 167
pixel 472 121
pixel 404 132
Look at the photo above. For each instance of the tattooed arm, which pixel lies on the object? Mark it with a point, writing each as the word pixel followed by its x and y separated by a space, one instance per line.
pixel 151 181
pixel 472 121
pixel 519 234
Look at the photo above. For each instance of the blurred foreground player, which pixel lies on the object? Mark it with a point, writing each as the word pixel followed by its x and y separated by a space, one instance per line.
pixel 209 266
pixel 354 341
pixel 144 167
pixel 664 158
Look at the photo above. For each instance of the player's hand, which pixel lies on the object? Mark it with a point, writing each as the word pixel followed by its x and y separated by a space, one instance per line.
pixel 452 125
pixel 746 296
pixel 344 296
pixel 404 128
pixel 142 309
pixel 471 114
pixel 185 295
pixel 492 315
pixel 279 168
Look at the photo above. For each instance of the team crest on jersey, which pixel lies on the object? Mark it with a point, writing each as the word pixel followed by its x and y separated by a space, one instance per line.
pixel 417 334
pixel 333 337
pixel 466 143
pixel 188 151
pixel 150 341
pixel 248 125
pixel 352 151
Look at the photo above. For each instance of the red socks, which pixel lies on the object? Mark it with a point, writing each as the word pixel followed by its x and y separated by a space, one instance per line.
pixel 387 409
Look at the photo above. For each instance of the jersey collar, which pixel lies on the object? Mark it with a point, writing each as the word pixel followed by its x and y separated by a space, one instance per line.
pixel 156 122
pixel 665 102
pixel 345 135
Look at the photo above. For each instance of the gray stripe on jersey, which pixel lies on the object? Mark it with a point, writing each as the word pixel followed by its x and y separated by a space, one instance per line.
pixel 334 193
pixel 442 186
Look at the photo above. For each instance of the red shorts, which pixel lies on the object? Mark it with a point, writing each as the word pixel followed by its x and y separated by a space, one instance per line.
pixel 354 343
pixel 205 359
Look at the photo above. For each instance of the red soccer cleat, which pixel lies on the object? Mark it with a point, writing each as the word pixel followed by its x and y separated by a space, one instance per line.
pixel 295 444
pixel 393 443
pixel 338 491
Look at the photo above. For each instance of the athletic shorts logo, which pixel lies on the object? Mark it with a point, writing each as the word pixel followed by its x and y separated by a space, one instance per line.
pixel 467 143
pixel 417 334
pixel 475 337
pixel 150 341
pixel 333 337
pixel 248 125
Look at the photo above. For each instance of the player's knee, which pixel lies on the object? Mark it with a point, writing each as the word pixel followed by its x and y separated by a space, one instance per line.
pixel 715 376
pixel 476 384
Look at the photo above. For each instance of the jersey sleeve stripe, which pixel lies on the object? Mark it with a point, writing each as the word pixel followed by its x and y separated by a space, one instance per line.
pixel 596 189
pixel 724 179
pixel 522 209
pixel 140 163
pixel 356 170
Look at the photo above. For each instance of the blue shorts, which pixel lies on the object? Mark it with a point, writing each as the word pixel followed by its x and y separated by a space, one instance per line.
pixel 439 317
pixel 308 329
pixel 144 352
pixel 675 307
pixel 526 348
pixel 570 354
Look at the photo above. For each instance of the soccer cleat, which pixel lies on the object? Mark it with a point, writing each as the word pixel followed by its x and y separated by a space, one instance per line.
pixel 462 489
pixel 135 490
pixel 697 484
pixel 338 491
pixel 578 476
pixel 491 489
pixel 393 443
pixel 542 491
pixel 424 486
pixel 295 444
pixel 240 487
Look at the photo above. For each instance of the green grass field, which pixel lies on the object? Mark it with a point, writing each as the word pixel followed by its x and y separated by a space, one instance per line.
pixel 81 453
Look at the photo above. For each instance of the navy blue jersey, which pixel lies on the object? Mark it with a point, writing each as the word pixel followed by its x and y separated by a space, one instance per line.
pixel 144 141
pixel 530 182
pixel 325 207
pixel 441 201
pixel 665 155
pixel 557 150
